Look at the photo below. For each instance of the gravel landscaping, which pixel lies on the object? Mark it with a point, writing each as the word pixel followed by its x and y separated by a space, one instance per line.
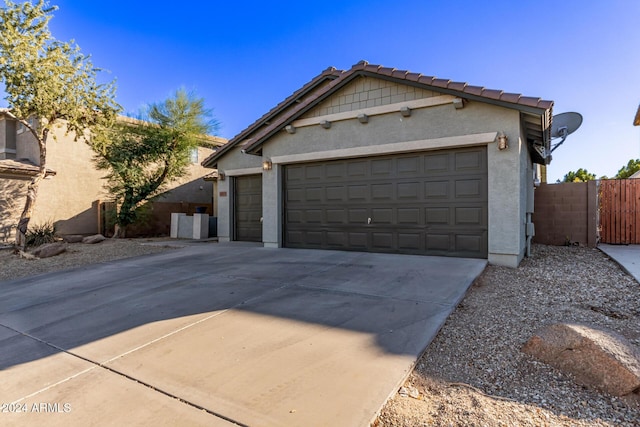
pixel 474 374
pixel 77 254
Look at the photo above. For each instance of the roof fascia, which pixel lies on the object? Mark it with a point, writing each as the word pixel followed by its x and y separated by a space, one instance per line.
pixel 327 75
pixel 255 147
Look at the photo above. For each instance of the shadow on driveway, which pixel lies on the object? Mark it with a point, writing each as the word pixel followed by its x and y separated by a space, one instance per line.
pixel 145 317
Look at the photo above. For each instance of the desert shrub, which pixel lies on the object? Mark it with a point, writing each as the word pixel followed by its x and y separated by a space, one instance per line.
pixel 40 234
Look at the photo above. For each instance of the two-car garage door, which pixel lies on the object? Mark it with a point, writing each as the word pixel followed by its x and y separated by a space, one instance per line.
pixel 432 203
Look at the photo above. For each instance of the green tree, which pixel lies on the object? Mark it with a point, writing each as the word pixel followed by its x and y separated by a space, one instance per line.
pixel 581 175
pixel 50 82
pixel 143 156
pixel 632 167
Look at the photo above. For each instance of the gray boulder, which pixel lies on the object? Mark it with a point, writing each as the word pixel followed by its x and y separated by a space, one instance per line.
pixel 73 238
pixel 96 238
pixel 595 357
pixel 49 250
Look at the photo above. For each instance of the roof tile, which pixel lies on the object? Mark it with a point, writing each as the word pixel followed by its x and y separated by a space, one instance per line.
pixel 457 86
pixel 545 105
pixel 310 93
pixel 360 65
pixel 491 93
pixel 510 97
pixel 473 90
pixel 443 83
pixel 529 101
pixel 386 71
pixel 428 80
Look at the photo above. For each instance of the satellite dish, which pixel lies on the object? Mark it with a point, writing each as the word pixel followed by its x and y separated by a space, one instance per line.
pixel 563 125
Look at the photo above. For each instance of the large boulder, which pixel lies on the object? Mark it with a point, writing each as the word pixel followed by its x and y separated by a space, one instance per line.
pixel 594 356
pixel 49 250
pixel 96 238
pixel 73 238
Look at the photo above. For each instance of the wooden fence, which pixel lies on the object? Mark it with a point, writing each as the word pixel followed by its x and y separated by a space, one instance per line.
pixel 620 211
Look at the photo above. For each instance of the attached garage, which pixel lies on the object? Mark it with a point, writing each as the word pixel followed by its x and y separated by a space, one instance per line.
pixel 248 208
pixel 383 160
pixel 430 203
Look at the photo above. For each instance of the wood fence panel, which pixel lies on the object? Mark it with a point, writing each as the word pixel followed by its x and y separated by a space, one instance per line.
pixel 620 211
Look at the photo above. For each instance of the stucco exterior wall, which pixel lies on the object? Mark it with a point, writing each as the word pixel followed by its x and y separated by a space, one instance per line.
pixel 12 197
pixel 69 199
pixel 509 171
pixel 234 163
pixel 505 176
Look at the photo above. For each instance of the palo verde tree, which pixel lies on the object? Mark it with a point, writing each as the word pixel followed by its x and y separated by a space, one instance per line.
pixel 143 156
pixel 50 82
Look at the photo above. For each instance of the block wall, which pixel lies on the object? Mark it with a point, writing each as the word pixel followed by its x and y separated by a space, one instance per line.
pixel 566 214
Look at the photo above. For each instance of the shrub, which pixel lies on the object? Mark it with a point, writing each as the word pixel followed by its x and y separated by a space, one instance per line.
pixel 41 233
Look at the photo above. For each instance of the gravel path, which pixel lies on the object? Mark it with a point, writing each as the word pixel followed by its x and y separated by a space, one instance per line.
pixel 474 374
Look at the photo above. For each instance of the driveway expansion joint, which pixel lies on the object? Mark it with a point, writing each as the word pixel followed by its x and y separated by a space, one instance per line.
pixel 115 371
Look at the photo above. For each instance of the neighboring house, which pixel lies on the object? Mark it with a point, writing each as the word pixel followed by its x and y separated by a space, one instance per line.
pixel 635 175
pixel 70 195
pixel 384 160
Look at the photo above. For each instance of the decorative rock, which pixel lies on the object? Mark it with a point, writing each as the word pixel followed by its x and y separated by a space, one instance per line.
pixel 409 392
pixel 73 238
pixel 49 250
pixel 96 238
pixel 596 357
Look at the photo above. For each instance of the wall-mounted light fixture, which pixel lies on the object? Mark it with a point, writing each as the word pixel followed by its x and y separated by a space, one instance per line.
pixel 221 176
pixel 325 124
pixel 363 118
pixel 458 103
pixel 405 111
pixel 267 165
pixel 503 141
pixel 290 129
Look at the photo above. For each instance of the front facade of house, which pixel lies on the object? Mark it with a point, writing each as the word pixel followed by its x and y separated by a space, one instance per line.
pixel 69 197
pixel 381 160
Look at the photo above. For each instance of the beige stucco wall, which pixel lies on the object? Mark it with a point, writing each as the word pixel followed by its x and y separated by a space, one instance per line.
pixel 69 198
pixel 509 176
pixel 12 196
pixel 66 199
pixel 235 163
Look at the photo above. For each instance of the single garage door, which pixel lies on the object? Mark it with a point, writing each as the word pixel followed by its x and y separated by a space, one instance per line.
pixel 431 203
pixel 248 208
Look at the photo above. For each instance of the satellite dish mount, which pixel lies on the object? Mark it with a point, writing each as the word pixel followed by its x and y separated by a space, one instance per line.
pixel 564 125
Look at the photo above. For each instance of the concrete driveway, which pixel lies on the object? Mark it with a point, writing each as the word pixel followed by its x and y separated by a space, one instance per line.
pixel 221 335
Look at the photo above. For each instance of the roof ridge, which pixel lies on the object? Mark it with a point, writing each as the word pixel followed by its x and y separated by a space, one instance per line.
pixel 463 87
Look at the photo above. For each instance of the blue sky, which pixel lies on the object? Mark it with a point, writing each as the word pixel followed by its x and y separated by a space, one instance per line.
pixel 244 58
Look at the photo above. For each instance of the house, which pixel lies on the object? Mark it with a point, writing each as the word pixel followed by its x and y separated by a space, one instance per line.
pixel 385 160
pixel 70 197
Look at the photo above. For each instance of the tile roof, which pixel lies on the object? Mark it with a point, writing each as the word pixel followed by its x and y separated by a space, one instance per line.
pixel 327 75
pixel 636 121
pixel 22 167
pixel 260 134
